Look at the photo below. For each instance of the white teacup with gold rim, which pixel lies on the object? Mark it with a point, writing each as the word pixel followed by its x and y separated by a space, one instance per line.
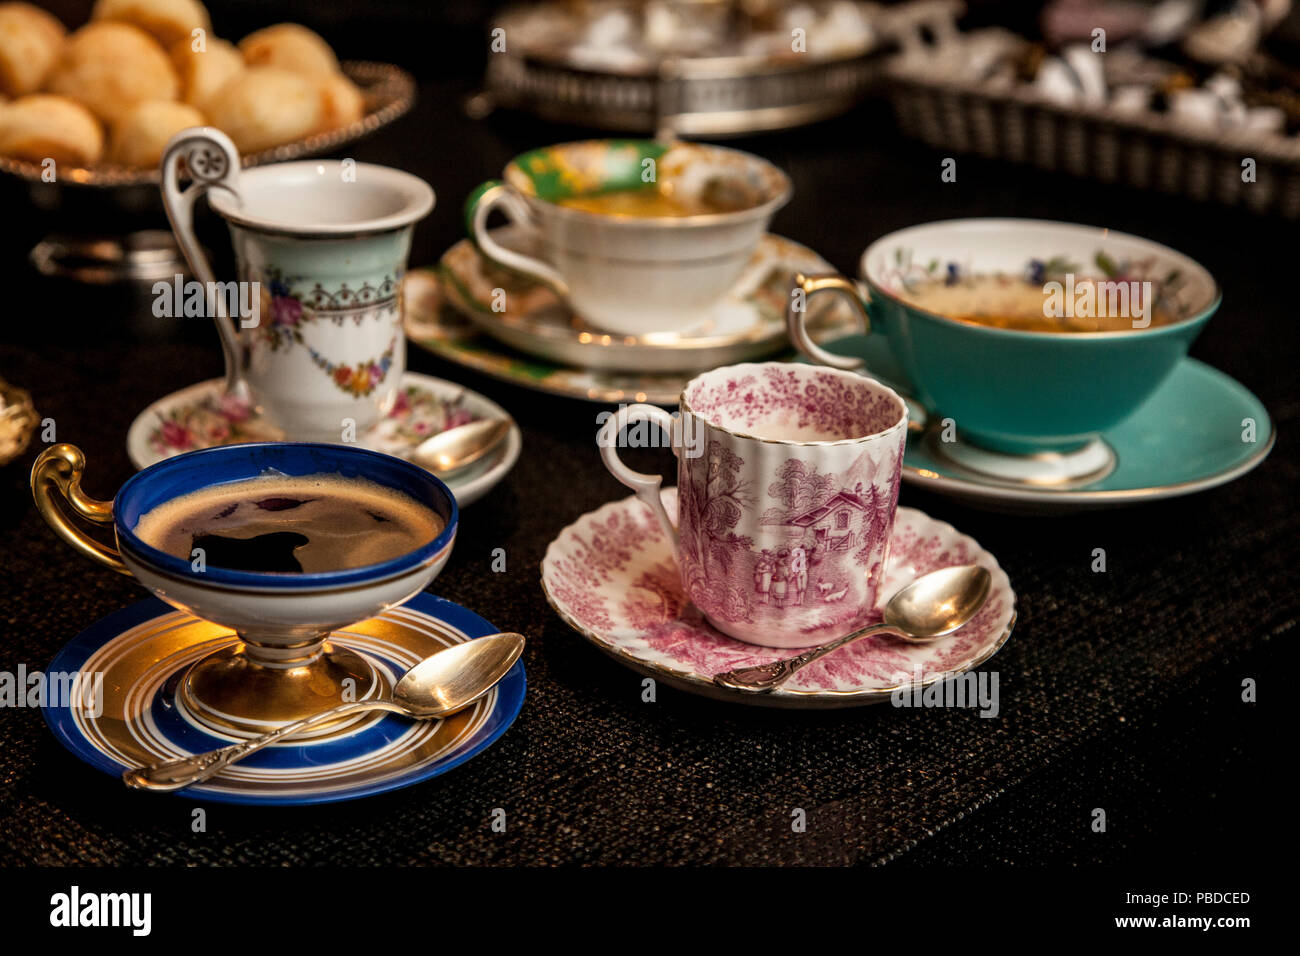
pixel 321 248
pixel 640 237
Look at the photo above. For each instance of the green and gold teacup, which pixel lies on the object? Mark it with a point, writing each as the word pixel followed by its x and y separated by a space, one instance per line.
pixel 637 236
pixel 957 301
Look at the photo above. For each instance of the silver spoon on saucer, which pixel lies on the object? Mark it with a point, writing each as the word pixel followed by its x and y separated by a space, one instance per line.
pixel 932 606
pixel 441 684
pixel 460 447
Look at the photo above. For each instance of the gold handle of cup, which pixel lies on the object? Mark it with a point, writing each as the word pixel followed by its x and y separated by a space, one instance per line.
pixel 812 284
pixel 796 311
pixel 59 468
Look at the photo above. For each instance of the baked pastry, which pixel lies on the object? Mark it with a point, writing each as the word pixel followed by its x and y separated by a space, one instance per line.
pixel 139 137
pixel 30 40
pixel 142 70
pixel 203 73
pixel 109 67
pixel 291 46
pixel 265 106
pixel 167 21
pixel 40 127
pixel 341 101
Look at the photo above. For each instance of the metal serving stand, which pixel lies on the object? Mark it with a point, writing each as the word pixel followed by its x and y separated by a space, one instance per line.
pixel 690 96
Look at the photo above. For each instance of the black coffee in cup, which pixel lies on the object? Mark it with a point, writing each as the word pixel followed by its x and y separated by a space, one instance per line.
pixel 286 524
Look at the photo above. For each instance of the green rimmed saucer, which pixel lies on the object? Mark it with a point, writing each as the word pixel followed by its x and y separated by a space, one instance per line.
pixel 433 324
pixel 1192 434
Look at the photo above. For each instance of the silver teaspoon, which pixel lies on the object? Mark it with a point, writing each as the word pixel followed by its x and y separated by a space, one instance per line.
pixel 932 606
pixel 460 447
pixel 441 684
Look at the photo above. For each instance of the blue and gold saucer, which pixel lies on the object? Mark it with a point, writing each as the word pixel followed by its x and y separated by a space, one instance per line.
pixel 1198 430
pixel 124 712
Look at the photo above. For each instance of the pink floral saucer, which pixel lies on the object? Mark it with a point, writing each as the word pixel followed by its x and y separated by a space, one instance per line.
pixel 201 416
pixel 612 578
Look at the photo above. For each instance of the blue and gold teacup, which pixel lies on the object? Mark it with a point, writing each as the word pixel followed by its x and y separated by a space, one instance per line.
pixel 1015 389
pixel 283 668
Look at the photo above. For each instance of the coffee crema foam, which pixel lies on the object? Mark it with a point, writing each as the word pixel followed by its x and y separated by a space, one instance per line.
pixel 278 523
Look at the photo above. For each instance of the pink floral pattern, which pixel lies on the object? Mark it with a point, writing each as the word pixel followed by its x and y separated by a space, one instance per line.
pixel 821 406
pixel 219 419
pixel 214 420
pixel 612 576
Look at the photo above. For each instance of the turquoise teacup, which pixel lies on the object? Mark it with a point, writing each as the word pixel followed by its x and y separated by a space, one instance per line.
pixel 1010 390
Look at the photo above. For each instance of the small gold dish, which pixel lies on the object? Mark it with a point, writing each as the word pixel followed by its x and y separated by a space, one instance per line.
pixel 18 421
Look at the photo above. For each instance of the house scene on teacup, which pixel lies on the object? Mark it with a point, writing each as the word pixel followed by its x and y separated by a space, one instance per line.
pixel 816 548
pixel 817 538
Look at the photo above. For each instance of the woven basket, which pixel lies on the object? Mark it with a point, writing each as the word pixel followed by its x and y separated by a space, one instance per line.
pixel 1148 150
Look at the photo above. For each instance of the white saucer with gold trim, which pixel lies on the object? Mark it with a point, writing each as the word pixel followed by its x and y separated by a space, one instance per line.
pixel 527 315
pixel 201 417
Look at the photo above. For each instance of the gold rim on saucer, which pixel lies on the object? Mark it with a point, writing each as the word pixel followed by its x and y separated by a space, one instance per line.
pixel 545 327
pixel 129 713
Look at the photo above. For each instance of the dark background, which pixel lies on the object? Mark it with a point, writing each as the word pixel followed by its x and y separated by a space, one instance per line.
pixel 1119 690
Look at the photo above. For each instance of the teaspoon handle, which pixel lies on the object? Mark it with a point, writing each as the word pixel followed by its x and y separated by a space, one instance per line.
pixel 766 677
pixel 181 773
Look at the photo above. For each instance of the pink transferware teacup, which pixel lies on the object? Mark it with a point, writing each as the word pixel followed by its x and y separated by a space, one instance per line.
pixel 787 484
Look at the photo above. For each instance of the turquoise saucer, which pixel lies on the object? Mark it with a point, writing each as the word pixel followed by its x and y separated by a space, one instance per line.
pixel 1187 437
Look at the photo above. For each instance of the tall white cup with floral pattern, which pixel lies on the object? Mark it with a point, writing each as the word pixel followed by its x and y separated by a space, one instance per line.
pixel 787 487
pixel 312 330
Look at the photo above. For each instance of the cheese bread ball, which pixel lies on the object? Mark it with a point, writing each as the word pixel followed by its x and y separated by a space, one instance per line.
pixel 341 101
pixel 204 73
pixel 108 67
pixel 265 106
pixel 138 138
pixel 290 46
pixel 167 21
pixel 30 41
pixel 40 127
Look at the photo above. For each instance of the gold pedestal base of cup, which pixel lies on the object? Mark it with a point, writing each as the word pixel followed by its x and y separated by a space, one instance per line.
pixel 240 692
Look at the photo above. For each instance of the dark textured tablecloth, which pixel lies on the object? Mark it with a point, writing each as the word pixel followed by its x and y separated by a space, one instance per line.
pixel 1119 690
